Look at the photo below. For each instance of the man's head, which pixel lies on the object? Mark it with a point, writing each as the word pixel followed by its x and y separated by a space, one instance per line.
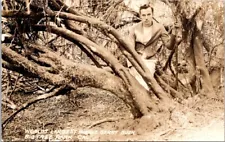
pixel 146 14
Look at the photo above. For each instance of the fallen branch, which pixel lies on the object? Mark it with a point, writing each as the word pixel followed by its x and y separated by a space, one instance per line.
pixel 103 121
pixel 32 101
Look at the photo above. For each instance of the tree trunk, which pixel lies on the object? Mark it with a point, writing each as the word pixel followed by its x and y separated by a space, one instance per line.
pixel 217 67
pixel 207 87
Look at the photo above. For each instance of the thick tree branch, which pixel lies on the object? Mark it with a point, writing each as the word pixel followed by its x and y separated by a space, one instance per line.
pixel 74 75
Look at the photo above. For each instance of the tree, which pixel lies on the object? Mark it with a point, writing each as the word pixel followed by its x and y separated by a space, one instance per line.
pixel 31 51
pixel 194 32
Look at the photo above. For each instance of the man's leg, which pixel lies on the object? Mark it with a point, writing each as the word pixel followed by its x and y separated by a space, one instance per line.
pixel 151 64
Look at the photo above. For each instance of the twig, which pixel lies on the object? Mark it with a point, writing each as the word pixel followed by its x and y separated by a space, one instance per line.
pixel 8 82
pixel 10 105
pixel 6 101
pixel 110 9
pixel 176 75
pixel 32 101
pixel 103 121
pixel 15 85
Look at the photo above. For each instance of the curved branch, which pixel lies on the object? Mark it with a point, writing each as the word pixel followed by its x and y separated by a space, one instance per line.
pixel 89 54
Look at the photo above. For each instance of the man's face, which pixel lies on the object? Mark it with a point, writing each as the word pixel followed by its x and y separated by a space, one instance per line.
pixel 146 16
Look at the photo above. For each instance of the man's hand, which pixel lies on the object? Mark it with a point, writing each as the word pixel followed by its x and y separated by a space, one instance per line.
pixel 175 28
pixel 177 32
pixel 178 37
pixel 199 24
pixel 144 55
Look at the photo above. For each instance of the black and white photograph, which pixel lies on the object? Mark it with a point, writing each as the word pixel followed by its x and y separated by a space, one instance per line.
pixel 112 70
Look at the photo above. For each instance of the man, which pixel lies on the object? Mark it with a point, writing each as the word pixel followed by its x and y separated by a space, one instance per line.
pixel 144 37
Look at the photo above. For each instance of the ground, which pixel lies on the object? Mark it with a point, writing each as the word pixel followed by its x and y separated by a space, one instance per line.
pixel 78 116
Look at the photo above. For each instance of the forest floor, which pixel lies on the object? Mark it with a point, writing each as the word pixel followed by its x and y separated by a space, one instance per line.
pixel 92 114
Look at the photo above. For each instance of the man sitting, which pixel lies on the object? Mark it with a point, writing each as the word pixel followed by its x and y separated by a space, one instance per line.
pixel 144 37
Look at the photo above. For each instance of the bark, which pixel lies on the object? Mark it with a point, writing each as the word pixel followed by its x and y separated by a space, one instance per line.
pixel 191 68
pixel 207 86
